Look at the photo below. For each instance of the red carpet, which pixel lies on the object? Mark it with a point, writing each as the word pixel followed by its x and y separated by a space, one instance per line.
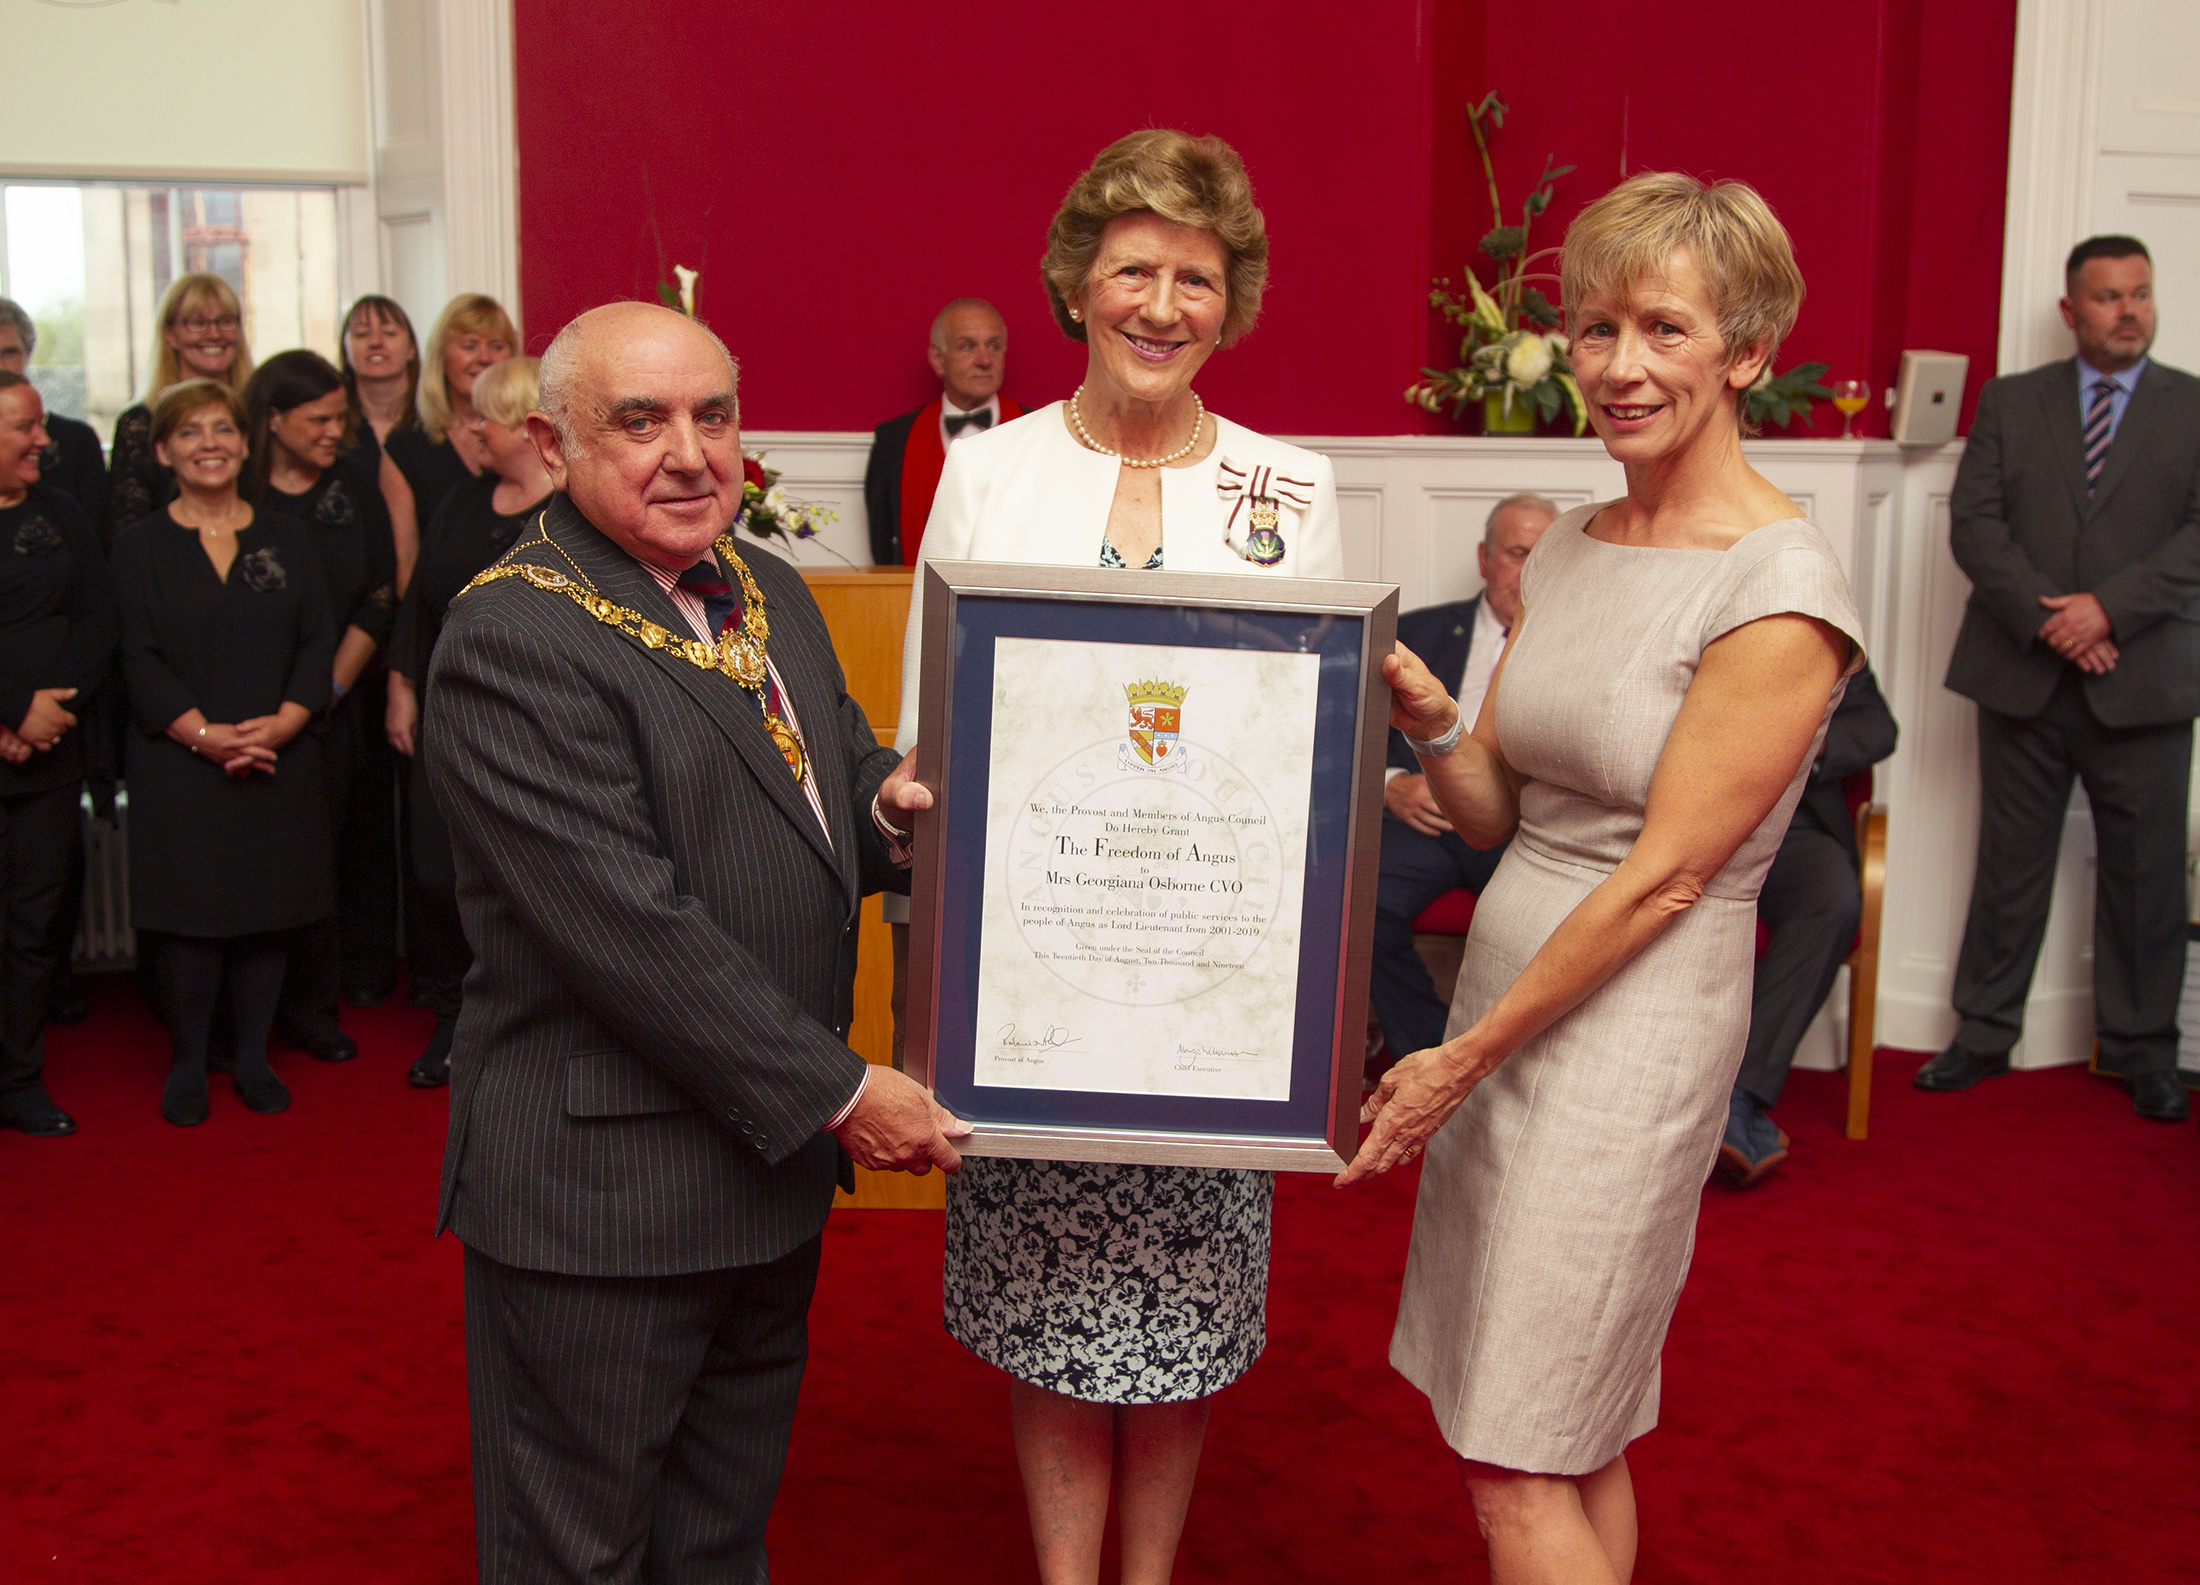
pixel 1960 1351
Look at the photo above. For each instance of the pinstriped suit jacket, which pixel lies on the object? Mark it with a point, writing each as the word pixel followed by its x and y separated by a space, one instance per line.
pixel 655 1023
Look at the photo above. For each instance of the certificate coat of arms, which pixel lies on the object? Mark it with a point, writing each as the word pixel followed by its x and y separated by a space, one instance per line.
pixel 1157 710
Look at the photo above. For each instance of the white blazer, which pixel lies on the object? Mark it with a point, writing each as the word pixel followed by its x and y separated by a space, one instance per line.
pixel 1028 492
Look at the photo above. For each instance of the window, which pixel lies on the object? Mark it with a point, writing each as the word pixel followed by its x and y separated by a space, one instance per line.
pixel 90 261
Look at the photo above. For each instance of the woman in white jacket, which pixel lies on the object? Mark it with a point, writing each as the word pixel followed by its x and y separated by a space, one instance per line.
pixel 1120 1298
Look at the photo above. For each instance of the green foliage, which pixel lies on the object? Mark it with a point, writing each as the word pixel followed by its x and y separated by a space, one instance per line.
pixel 1503 242
pixel 1508 351
pixel 1786 397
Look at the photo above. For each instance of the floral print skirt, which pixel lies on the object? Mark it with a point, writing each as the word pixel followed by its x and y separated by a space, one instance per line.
pixel 1114 1284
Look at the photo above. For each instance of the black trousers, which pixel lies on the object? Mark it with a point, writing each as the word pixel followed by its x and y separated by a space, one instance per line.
pixel 39 837
pixel 2136 779
pixel 367 885
pixel 632 1429
pixel 312 983
pixel 1811 902
pixel 1417 869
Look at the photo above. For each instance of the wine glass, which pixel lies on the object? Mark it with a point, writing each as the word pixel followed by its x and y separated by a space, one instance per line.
pixel 1850 396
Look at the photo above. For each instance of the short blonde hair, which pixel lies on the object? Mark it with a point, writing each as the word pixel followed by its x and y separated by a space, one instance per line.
pixel 507 392
pixel 195 293
pixel 1633 231
pixel 1192 181
pixel 467 314
pixel 191 398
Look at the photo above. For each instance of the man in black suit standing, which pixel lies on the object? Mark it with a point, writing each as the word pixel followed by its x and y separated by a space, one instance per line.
pixel 2076 515
pixel 1423 857
pixel 1811 902
pixel 664 810
pixel 969 354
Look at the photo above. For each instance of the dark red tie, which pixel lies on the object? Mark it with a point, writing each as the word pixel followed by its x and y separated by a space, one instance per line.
pixel 722 609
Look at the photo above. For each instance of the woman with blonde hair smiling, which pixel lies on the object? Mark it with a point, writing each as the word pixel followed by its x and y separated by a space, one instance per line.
pixel 1119 1299
pixel 201 336
pixel 440 451
pixel 1643 742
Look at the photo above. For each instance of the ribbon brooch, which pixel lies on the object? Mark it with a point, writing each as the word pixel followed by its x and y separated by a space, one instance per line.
pixel 1257 497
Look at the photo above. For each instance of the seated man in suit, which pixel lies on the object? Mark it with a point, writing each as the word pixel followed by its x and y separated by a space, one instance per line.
pixel 1423 857
pixel 1811 902
pixel 969 353
pixel 664 812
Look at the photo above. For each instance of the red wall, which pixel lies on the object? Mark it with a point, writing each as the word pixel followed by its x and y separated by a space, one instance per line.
pixel 838 172
pixel 1878 130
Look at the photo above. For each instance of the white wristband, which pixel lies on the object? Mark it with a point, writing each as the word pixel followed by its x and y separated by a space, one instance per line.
pixel 1438 747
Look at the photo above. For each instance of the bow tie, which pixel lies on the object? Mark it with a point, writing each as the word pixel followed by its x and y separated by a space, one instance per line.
pixel 979 418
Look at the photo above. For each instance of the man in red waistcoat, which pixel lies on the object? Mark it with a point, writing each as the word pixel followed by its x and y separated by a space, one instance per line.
pixel 969 353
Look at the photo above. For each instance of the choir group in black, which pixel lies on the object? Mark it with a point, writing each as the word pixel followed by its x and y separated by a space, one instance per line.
pixel 232 621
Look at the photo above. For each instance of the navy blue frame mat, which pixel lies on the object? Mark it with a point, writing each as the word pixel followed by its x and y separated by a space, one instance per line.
pixel 979 621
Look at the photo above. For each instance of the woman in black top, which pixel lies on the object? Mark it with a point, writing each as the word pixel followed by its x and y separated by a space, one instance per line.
pixel 297 465
pixel 200 337
pixel 57 639
pixel 440 452
pixel 227 650
pixel 477 523
pixel 380 362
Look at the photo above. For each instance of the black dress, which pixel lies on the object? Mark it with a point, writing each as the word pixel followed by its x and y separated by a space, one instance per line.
pixel 431 467
pixel 57 630
pixel 72 463
pixel 137 484
pixel 469 533
pixel 352 537
pixel 213 856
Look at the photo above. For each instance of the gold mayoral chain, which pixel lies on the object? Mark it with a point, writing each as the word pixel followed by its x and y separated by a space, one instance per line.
pixel 739 652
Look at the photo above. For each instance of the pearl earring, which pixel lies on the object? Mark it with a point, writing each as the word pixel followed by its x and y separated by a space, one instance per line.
pixel 1076 313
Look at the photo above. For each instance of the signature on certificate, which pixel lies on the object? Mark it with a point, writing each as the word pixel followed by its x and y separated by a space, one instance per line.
pixel 1052 1038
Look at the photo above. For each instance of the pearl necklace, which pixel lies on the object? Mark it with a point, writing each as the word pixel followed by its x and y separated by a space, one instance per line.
pixel 1199 424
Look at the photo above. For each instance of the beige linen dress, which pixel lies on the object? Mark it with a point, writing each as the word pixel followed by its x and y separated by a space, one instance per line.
pixel 1557 1208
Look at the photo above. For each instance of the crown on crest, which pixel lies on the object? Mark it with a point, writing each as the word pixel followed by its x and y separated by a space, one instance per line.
pixel 1151 692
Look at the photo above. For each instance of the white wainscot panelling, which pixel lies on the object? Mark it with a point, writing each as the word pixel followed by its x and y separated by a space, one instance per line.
pixel 1413 508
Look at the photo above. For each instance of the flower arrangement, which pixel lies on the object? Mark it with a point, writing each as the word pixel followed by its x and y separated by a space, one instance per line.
pixel 1511 358
pixel 766 511
pixel 1781 399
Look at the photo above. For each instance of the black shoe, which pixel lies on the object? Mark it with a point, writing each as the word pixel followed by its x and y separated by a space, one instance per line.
pixel 66 1004
pixel 1959 1069
pixel 258 1087
pixel 37 1116
pixel 334 1047
pixel 184 1101
pixel 2159 1097
pixel 1753 1144
pixel 433 1070
pixel 420 994
pixel 368 993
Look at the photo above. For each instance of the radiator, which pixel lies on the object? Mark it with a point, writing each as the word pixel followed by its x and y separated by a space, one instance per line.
pixel 104 939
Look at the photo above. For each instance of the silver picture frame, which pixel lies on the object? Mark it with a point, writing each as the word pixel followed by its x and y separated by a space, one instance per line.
pixel 1308 1139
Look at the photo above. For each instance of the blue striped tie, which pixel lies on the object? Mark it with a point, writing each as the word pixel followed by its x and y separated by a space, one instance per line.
pixel 2097 433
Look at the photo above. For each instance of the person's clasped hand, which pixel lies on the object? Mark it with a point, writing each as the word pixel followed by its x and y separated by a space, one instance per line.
pixel 47 718
pixel 897 1127
pixel 2080 631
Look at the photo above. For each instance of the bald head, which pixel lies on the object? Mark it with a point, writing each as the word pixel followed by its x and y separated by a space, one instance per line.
pixel 640 425
pixel 613 326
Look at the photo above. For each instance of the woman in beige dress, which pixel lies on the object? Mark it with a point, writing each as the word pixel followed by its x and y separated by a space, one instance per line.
pixel 1643 743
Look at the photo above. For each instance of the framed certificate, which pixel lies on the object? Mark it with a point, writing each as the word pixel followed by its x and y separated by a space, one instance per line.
pixel 1143 900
